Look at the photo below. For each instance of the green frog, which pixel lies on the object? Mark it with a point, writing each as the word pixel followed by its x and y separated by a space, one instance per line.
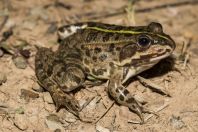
pixel 98 52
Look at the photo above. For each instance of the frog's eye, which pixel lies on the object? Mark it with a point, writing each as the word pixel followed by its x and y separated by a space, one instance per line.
pixel 144 41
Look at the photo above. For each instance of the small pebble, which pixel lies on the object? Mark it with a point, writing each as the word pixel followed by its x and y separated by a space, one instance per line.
pixel 3 78
pixel 47 98
pixel 52 28
pixel 20 62
pixel 36 87
pixel 69 117
pixel 27 94
pixel 25 53
pixel 20 122
pixel 53 122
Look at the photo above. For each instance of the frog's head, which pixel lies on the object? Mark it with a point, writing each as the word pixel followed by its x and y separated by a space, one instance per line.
pixel 149 45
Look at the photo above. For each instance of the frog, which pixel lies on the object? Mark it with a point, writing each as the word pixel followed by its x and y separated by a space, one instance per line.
pixel 98 53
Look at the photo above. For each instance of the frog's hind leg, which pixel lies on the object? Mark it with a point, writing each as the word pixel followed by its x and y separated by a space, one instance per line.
pixel 44 67
pixel 124 97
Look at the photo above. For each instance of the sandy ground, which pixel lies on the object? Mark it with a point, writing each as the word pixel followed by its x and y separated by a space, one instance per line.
pixel 25 106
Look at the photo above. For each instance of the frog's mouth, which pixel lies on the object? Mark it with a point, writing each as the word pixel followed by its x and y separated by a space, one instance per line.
pixel 160 57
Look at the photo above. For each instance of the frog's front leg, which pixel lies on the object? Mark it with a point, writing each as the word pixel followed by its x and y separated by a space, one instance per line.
pixel 124 97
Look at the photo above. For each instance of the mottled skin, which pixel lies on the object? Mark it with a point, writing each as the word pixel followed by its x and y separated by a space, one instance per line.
pixel 98 52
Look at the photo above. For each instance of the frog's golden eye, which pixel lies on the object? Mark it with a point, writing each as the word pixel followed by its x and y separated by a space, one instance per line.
pixel 143 41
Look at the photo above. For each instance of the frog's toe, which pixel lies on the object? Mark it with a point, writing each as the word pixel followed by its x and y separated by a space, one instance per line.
pixel 146 110
pixel 140 110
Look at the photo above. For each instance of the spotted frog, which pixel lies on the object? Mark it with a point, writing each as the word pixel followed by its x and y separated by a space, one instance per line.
pixel 98 52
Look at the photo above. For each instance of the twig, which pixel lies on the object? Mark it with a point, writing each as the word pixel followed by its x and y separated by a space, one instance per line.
pixel 59 4
pixel 104 113
pixel 151 115
pixel 185 61
pixel 153 86
pixel 185 53
pixel 189 111
pixel 86 103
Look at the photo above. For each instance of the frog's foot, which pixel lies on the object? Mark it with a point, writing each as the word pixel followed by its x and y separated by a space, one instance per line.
pixel 62 99
pixel 137 107
pixel 124 97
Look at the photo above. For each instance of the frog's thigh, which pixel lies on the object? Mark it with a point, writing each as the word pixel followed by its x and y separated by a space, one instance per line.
pixel 123 96
pixel 68 76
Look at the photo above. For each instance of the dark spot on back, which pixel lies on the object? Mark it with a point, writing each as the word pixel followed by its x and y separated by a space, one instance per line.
pixel 118 48
pixel 105 37
pixel 91 36
pixel 97 50
pixel 94 58
pixel 87 52
pixel 116 37
pixel 111 47
pixel 127 35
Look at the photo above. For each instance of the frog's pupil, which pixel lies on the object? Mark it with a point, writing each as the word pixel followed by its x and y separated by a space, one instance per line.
pixel 144 41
